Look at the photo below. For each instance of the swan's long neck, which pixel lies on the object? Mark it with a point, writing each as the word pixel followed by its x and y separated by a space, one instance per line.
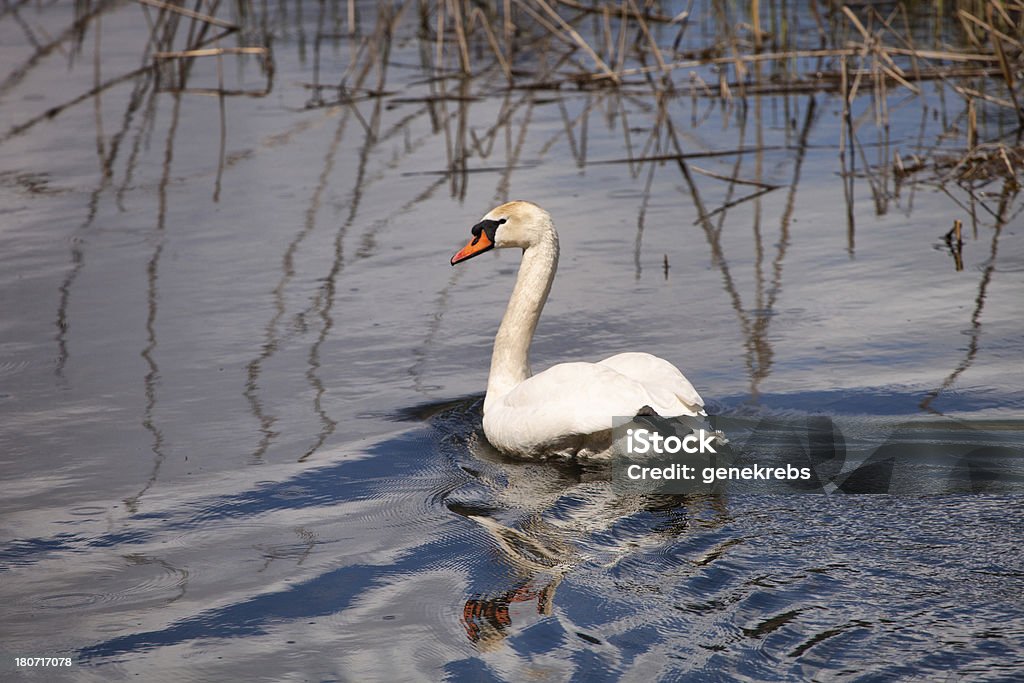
pixel 510 362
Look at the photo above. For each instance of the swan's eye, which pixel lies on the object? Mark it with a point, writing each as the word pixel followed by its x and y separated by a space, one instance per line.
pixel 486 227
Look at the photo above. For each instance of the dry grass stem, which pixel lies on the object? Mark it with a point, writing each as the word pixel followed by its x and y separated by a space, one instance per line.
pixel 189 13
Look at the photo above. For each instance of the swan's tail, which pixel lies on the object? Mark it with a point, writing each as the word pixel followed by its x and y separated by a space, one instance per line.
pixel 650 418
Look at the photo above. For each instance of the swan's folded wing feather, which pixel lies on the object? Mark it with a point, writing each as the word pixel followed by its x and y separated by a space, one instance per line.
pixel 658 376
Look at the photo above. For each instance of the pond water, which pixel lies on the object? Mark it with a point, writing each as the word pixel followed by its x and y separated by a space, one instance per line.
pixel 240 383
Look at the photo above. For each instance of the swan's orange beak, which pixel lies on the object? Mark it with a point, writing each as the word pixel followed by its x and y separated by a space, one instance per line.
pixel 477 245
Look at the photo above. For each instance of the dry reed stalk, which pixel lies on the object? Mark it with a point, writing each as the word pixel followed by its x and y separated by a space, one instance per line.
pixel 1011 173
pixel 755 23
pixel 893 70
pixel 606 32
pixel 947 55
pixel 737 61
pixel 998 6
pixel 773 56
pixel 899 79
pixel 857 23
pixel 972 124
pixel 649 16
pixel 222 149
pixel 844 86
pixel 724 91
pixel 855 85
pixel 733 178
pixel 576 37
pixel 1004 65
pixel 989 28
pixel 658 158
pixel 455 8
pixel 877 84
pixel 96 80
pixel 735 202
pixel 167 7
pixel 507 25
pixel 969 31
pixel 650 38
pixel 492 39
pixel 873 44
pixel 955 242
pixel 439 45
pixel 683 19
pixel 620 60
pixel 910 41
pixel 971 92
pixel 671 66
pixel 211 52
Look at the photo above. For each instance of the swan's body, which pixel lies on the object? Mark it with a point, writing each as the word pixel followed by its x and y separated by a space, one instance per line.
pixel 568 408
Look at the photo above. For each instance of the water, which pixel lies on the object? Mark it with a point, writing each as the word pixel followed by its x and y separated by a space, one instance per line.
pixel 239 427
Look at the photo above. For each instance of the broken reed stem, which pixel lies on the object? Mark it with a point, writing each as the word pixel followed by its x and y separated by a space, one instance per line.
pixel 211 52
pixel 955 242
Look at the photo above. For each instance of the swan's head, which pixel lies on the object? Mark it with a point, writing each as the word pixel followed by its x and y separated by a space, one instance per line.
pixel 513 224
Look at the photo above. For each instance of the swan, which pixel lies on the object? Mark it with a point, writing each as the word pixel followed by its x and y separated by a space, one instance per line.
pixel 566 410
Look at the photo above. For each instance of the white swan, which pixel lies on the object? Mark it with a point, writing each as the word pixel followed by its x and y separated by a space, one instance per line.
pixel 566 410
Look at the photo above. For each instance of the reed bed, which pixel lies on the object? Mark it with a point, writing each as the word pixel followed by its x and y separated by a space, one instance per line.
pixel 964 63
pixel 726 52
pixel 974 52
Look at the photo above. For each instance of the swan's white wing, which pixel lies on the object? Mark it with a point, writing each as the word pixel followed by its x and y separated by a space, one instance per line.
pixel 660 378
pixel 575 399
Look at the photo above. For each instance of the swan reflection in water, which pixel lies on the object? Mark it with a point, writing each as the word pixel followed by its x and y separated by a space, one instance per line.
pixel 544 519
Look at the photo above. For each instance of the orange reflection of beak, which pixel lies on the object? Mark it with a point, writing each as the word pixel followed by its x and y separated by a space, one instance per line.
pixel 477 245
